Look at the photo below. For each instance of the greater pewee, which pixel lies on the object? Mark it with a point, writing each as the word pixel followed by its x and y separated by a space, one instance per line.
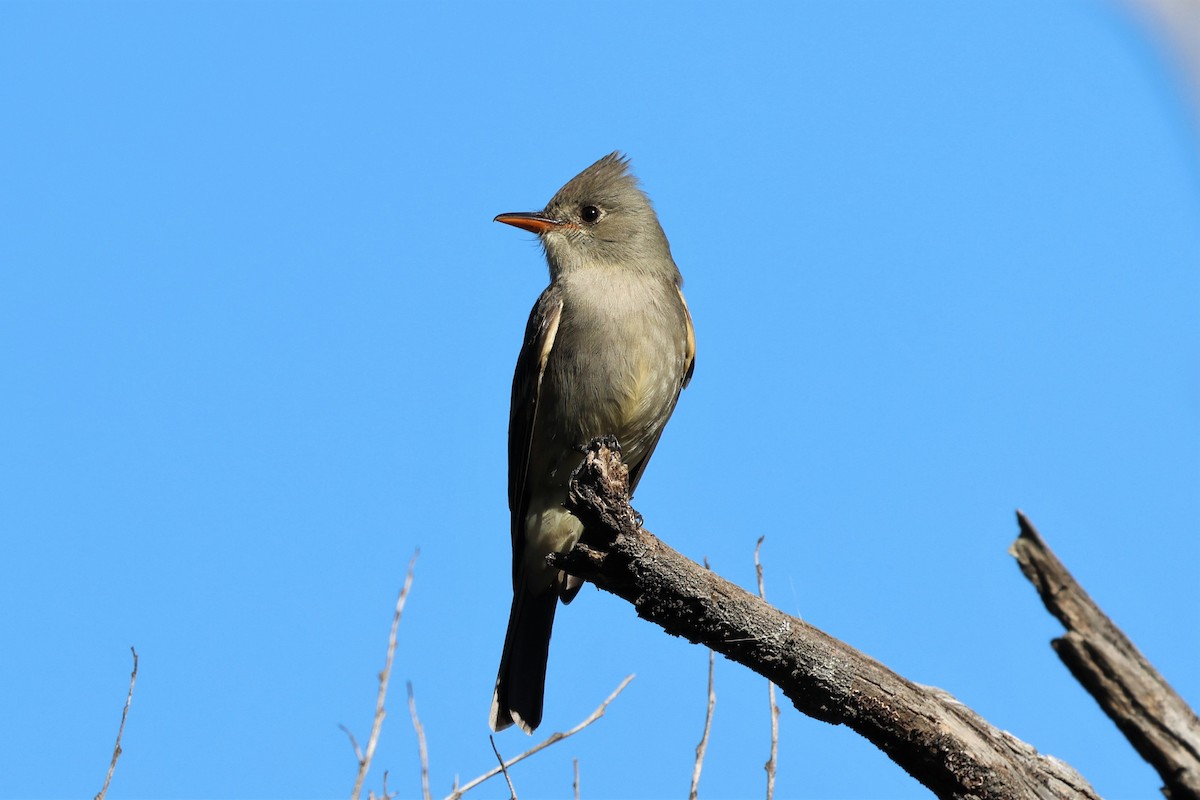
pixel 608 347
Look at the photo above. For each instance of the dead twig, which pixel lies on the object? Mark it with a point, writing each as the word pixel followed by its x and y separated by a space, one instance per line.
pixel 112 765
pixel 512 792
pixel 708 715
pixel 353 742
pixel 771 762
pixel 421 746
pixel 553 738
pixel 364 759
pixel 702 748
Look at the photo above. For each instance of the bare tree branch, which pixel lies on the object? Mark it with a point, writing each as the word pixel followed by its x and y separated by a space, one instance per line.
pixel 364 761
pixel 936 739
pixel 553 738
pixel 112 765
pixel 770 766
pixel 1155 720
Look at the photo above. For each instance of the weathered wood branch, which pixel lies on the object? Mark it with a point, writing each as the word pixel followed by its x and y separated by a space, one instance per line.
pixel 936 739
pixel 1157 722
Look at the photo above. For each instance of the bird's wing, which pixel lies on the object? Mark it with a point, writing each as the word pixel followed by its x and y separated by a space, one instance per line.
pixel 527 385
pixel 690 353
pixel 689 366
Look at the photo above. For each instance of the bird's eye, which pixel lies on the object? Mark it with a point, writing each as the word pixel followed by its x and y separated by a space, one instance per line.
pixel 589 214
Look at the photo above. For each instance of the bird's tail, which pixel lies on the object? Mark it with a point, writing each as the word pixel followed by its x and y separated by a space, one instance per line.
pixel 522 678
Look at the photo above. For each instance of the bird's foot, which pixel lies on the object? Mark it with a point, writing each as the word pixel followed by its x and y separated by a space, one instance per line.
pixel 607 441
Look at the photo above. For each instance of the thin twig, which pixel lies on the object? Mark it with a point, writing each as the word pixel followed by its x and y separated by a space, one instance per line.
pixel 364 763
pixel 412 709
pixel 512 792
pixel 770 766
pixel 703 746
pixel 353 743
pixel 112 765
pixel 551 739
pixel 575 783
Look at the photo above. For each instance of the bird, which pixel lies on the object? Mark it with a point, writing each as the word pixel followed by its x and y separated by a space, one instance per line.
pixel 608 348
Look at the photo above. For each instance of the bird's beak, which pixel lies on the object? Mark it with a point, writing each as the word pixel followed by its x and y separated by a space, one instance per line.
pixel 536 223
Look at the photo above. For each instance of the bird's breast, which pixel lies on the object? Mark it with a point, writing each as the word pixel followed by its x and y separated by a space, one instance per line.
pixel 617 363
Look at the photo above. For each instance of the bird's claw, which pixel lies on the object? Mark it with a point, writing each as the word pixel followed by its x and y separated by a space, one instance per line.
pixel 607 441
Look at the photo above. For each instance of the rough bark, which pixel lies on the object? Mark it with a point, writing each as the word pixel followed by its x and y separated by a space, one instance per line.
pixel 1155 720
pixel 936 739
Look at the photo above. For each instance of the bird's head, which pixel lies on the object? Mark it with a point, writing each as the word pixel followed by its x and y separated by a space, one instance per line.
pixel 601 218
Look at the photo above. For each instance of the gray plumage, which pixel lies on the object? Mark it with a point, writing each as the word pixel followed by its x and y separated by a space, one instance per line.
pixel 608 347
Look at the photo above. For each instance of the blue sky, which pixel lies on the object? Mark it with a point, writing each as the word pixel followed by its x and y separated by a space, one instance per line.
pixel 257 330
